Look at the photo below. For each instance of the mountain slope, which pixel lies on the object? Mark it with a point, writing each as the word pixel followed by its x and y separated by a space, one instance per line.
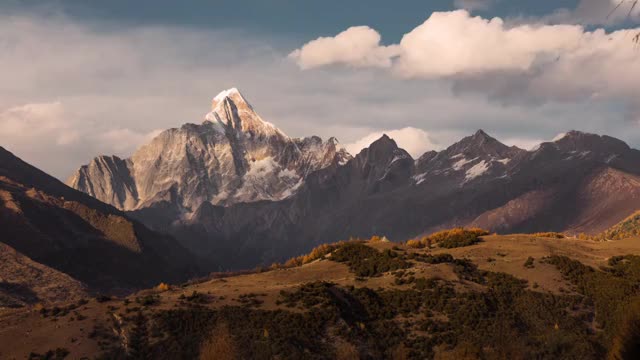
pixel 71 232
pixel 24 281
pixel 629 227
pixel 233 156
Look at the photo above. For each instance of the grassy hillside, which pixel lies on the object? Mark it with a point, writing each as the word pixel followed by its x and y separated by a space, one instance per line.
pixel 626 228
pixel 515 297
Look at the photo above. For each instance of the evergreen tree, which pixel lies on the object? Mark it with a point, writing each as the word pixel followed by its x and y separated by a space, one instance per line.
pixel 139 339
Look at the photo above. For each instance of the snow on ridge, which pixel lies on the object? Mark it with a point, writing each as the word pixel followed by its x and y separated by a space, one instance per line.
pixel 559 137
pixel 226 93
pixel 504 161
pixel 420 178
pixel 262 166
pixel 292 190
pixel 462 162
pixel 476 170
pixel 287 173
pixel 397 158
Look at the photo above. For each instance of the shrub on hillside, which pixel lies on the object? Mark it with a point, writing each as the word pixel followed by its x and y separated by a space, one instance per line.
pixel 415 243
pixel 610 291
pixel 163 287
pixel 626 342
pixel 553 235
pixel 529 263
pixel 316 253
pixel 366 261
pixel 627 228
pixel 451 238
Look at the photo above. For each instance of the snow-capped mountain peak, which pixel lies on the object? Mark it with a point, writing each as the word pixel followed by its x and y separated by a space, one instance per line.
pixel 233 94
pixel 232 112
pixel 233 156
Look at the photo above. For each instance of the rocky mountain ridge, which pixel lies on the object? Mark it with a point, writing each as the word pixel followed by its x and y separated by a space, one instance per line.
pixel 233 156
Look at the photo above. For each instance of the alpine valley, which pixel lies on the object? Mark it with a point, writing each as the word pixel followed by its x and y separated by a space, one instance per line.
pixel 237 192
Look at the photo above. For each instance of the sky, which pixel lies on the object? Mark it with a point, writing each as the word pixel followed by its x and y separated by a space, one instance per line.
pixel 80 79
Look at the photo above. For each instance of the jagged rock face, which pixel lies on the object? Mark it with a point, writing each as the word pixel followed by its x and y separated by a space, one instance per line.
pixel 233 156
pixel 470 159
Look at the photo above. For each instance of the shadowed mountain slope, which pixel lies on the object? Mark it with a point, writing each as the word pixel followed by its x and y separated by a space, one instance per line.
pixel 76 234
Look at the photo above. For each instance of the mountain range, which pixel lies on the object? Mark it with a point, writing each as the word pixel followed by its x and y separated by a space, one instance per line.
pixel 238 192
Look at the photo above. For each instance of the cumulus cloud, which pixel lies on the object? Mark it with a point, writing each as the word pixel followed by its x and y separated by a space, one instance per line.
pixel 358 46
pixel 520 63
pixel 415 141
pixel 452 43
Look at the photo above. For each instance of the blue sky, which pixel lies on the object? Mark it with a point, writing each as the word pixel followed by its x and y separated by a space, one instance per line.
pixel 83 78
pixel 296 19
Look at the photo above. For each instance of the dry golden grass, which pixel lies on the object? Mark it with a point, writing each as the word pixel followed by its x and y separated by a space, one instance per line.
pixel 553 235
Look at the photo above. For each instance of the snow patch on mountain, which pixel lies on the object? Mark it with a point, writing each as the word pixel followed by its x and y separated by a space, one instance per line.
pixel 461 163
pixel 262 167
pixel 476 170
pixel 559 137
pixel 420 178
pixel 226 93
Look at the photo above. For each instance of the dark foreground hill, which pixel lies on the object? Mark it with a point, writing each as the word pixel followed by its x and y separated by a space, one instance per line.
pixel 505 297
pixel 72 233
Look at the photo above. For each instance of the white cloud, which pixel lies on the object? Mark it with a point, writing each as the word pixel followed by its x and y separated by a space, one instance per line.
pixel 37 121
pixel 358 46
pixel 124 140
pixel 452 43
pixel 51 133
pixel 521 63
pixel 415 141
